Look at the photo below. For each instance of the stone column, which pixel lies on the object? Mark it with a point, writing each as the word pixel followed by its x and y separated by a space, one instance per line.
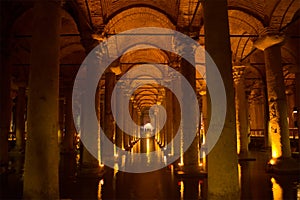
pixel 257 111
pixel 5 106
pixel 241 107
pixel 20 119
pixel 70 132
pixel 176 81
pixel 42 153
pixel 131 128
pixel 61 119
pixel 297 105
pixel 222 159
pixel 89 164
pixel 204 110
pixel 169 122
pixel 109 126
pixel 135 119
pixel 163 132
pixel 270 43
pixel 119 127
pixel 190 157
pixel 126 138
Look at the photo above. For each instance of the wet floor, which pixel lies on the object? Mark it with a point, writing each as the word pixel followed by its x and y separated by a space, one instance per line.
pixel 255 183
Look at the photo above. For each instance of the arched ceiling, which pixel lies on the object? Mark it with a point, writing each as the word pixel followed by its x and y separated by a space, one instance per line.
pixel 104 17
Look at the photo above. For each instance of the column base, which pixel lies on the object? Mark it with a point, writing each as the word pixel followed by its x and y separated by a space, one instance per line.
pixel 283 166
pixel 190 171
pixel 245 157
pixel 90 171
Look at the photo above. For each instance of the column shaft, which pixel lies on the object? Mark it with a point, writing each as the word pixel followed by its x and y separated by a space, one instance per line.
pixel 241 107
pixel 222 159
pixel 20 119
pixel 119 127
pixel 5 110
pixel 277 103
pixel 297 105
pixel 190 157
pixel 109 129
pixel 42 154
pixel 169 122
pixel 70 132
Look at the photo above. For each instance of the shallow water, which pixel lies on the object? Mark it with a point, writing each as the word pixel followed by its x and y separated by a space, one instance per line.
pixel 161 184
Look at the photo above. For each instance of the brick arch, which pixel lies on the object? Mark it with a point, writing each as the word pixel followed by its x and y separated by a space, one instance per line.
pixel 283 13
pixel 242 23
pixel 137 17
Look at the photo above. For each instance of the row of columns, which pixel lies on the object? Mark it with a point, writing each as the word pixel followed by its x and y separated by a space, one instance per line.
pixel 42 146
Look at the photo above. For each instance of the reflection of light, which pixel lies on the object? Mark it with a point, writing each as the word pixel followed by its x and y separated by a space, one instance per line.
pixel 148 145
pixel 181 149
pixel 165 160
pixel 204 137
pixel 116 167
pixel 238 134
pixel 204 160
pixel 277 190
pixel 240 175
pixel 101 182
pixel 181 189
pixel 199 189
pixel 99 148
pixel 101 165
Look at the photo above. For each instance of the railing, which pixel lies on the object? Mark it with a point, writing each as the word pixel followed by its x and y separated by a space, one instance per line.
pixel 293 133
pixel 257 132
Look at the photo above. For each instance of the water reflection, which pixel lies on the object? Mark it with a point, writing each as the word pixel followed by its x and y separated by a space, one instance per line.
pixel 191 188
pixel 160 184
pixel 101 183
pixel 277 190
pixel 285 187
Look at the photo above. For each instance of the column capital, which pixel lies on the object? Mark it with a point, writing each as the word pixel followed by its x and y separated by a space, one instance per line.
pixel 238 73
pixel 269 37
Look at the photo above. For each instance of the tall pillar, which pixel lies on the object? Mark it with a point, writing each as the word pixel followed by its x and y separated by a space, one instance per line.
pixel 109 127
pixel 169 122
pixel 61 120
pixel 42 153
pixel 89 164
pixel 5 107
pixel 204 110
pixel 119 127
pixel 130 119
pixel 70 132
pixel 20 119
pixel 222 159
pixel 270 43
pixel 135 119
pixel 297 105
pixel 241 107
pixel 190 157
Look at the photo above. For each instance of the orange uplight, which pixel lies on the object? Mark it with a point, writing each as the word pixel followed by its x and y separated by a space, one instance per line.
pixel 272 161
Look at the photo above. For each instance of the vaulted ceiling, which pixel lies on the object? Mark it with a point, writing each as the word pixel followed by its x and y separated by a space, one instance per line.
pixel 91 20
